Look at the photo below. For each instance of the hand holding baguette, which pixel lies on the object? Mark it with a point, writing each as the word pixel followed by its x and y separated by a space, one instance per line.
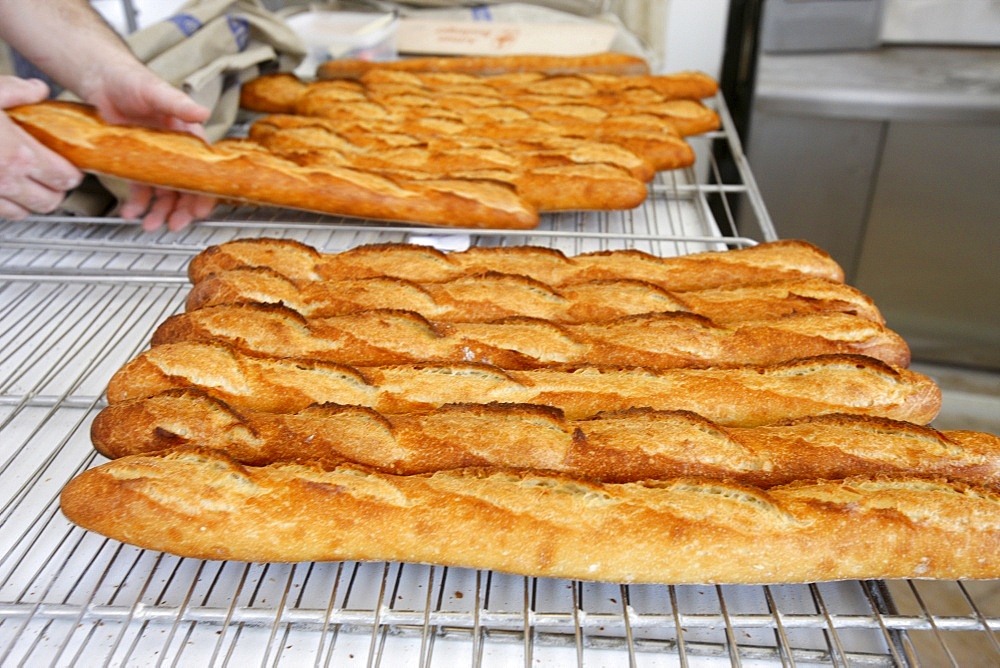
pixel 245 172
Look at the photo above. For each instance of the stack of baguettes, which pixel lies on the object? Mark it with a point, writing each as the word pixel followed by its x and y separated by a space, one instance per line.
pixel 494 146
pixel 481 409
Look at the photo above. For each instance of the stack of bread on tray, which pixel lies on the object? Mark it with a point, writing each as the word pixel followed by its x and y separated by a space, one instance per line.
pixel 425 143
pixel 737 416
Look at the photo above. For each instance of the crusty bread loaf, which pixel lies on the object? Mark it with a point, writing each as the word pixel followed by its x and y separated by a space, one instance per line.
pixel 201 504
pixel 631 117
pixel 492 296
pixel 569 187
pixel 745 395
pixel 288 133
pixel 243 172
pixel 401 101
pixel 582 118
pixel 672 101
pixel 556 174
pixel 636 444
pixel 762 263
pixel 596 63
pixel 662 149
pixel 657 340
pixel 687 85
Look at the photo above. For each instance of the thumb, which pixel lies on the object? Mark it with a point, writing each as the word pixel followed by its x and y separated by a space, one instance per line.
pixel 15 91
pixel 174 102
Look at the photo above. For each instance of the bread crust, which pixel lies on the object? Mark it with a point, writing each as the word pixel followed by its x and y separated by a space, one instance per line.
pixel 245 172
pixel 685 85
pixel 290 133
pixel 654 142
pixel 765 262
pixel 666 101
pixel 558 174
pixel 657 340
pixel 744 395
pixel 597 63
pixel 202 504
pixel 623 446
pixel 492 295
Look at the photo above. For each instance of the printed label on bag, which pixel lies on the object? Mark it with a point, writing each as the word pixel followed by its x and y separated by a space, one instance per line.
pixel 240 28
pixel 186 23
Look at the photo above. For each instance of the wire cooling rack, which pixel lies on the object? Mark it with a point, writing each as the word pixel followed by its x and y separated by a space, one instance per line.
pixel 80 296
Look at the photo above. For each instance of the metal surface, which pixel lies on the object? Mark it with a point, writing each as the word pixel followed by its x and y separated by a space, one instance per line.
pixel 924 84
pixel 78 298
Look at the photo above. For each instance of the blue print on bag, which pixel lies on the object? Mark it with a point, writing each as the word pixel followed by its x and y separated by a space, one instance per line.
pixel 481 13
pixel 240 28
pixel 187 24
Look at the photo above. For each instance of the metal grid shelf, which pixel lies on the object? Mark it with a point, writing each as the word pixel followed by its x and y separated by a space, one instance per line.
pixel 80 297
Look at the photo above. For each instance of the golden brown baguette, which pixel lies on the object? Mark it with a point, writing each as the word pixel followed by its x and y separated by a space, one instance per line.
pixel 492 296
pixel 777 260
pixel 556 174
pixel 661 149
pixel 746 395
pixel 596 63
pixel 518 116
pixel 659 340
pixel 652 110
pixel 625 446
pixel 241 171
pixel 203 505
pixel 569 187
pixel 674 105
pixel 287 133
pixel 678 85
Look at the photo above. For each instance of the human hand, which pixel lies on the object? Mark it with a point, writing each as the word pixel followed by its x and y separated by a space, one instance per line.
pixel 33 179
pixel 138 97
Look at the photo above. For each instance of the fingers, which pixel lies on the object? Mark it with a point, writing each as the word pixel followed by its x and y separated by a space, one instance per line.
pixel 33 179
pixel 15 91
pixel 137 96
pixel 158 207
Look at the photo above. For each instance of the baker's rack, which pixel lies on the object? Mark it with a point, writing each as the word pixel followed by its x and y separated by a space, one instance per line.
pixel 80 296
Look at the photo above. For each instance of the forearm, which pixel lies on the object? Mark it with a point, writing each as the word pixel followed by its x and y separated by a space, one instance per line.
pixel 67 39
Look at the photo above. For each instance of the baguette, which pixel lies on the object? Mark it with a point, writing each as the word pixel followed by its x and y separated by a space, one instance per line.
pixel 236 170
pixel 661 149
pixel 201 504
pixel 746 395
pixel 625 446
pixel 596 63
pixel 659 340
pixel 653 111
pixel 594 187
pixel 762 263
pixel 283 132
pixel 659 107
pixel 492 296
pixel 679 85
pixel 289 135
pixel 480 116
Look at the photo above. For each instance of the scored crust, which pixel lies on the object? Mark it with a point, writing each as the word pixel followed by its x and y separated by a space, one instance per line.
pixel 202 504
pixel 657 340
pixel 623 446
